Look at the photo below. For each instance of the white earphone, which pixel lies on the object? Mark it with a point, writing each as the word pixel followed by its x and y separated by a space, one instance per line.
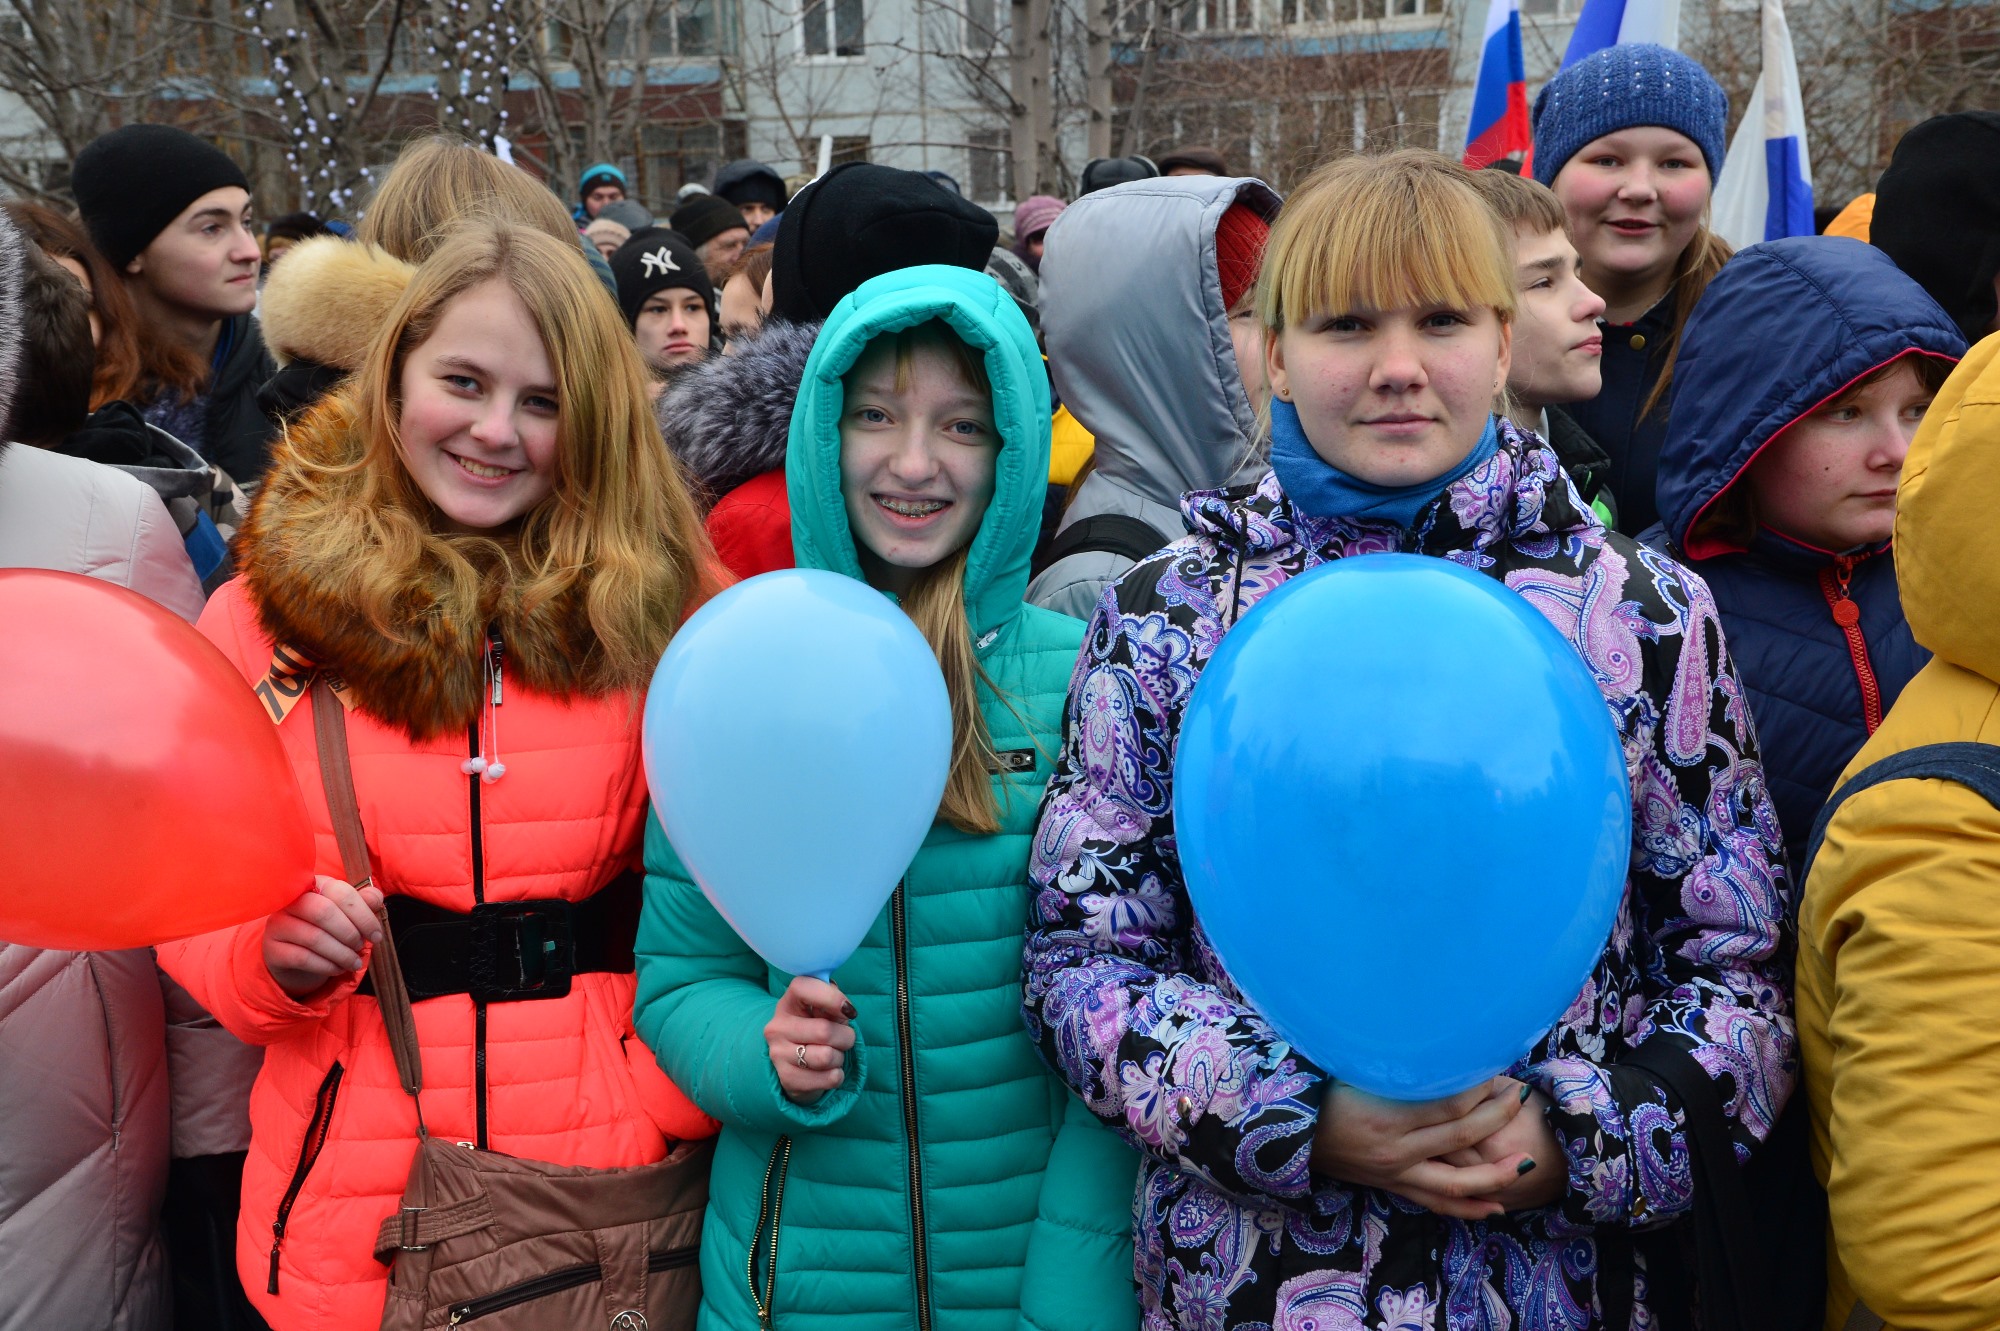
pixel 487 769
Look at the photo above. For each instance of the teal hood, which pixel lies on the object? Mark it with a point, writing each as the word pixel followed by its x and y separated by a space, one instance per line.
pixel 986 318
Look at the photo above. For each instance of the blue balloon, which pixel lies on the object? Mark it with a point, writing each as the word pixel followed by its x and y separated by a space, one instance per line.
pixel 1404 820
pixel 797 739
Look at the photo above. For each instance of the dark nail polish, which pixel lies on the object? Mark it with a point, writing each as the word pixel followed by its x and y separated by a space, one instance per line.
pixel 1524 1167
pixel 1526 1091
pixel 847 1010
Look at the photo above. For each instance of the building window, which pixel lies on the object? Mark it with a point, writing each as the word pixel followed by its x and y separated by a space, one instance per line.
pixel 691 23
pixel 672 155
pixel 990 167
pixel 983 19
pixel 663 28
pixel 1352 11
pixel 831 27
pixel 1215 15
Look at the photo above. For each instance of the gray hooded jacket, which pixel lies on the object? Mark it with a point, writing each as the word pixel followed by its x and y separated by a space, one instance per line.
pixel 1139 348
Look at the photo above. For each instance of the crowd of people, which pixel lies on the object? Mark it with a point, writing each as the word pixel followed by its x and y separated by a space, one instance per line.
pixel 478 455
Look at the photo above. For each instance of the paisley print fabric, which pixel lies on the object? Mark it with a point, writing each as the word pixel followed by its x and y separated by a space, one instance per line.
pixel 1130 1005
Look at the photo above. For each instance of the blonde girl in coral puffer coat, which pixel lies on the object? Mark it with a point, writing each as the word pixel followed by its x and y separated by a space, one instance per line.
pixel 483 537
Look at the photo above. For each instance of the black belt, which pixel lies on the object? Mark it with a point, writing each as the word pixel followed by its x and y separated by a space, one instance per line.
pixel 511 951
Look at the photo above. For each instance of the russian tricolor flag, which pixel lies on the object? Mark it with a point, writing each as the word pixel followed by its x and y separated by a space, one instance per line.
pixel 1500 97
pixel 1767 194
pixel 1614 22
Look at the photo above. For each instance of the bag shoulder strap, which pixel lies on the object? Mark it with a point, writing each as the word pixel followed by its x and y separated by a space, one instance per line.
pixel 1109 533
pixel 1971 764
pixel 1730 1261
pixel 384 969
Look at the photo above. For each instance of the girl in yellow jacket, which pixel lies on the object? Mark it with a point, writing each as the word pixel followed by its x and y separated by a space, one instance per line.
pixel 1899 927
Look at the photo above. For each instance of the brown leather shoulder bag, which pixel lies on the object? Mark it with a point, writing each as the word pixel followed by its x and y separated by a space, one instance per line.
pixel 497 1243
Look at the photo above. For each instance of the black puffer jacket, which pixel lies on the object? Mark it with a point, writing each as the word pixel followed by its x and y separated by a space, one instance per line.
pixel 237 436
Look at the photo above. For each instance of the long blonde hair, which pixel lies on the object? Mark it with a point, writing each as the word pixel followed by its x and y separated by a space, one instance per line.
pixel 1699 263
pixel 616 550
pixel 936 604
pixel 438 181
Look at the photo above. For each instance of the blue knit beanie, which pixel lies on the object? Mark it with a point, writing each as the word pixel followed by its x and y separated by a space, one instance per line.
pixel 599 173
pixel 1621 87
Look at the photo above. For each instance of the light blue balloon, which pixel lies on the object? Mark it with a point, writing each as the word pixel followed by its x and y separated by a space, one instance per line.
pixel 797 739
pixel 1404 820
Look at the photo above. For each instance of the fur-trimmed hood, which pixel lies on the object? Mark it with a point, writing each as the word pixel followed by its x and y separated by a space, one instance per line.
pixel 728 419
pixel 306 552
pixel 328 298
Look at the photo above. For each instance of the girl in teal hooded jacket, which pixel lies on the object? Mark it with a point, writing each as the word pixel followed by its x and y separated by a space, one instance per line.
pixel 894 1154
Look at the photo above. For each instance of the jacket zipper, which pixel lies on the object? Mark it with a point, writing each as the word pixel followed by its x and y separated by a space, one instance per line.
pixel 309 1149
pixel 478 1008
pixel 110 1042
pixel 907 1049
pixel 1833 583
pixel 555 1282
pixel 479 897
pixel 771 1204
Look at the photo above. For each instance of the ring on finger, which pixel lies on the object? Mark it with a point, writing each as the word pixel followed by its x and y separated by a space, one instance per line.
pixel 800 1057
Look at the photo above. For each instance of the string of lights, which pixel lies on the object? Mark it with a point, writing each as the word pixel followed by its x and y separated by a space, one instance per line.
pixel 464 45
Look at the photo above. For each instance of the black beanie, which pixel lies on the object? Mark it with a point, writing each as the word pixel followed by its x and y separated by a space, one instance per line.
pixel 749 181
pixel 704 217
pixel 1104 172
pixel 132 183
pixel 1937 213
pixel 295 226
pixel 657 260
pixel 862 220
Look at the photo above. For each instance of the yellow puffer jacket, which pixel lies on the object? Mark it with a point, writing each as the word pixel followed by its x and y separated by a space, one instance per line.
pixel 1899 928
pixel 1070 446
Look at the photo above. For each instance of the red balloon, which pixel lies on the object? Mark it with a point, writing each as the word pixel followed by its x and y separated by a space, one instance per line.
pixel 144 793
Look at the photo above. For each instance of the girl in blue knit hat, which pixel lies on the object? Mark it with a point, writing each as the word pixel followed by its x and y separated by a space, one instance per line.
pixel 1631 140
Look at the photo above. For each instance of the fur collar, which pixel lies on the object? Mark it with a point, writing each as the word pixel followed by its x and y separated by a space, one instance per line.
pixel 728 418
pixel 308 549
pixel 326 300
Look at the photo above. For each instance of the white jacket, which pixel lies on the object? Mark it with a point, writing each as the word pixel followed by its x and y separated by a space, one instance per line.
pixel 74 516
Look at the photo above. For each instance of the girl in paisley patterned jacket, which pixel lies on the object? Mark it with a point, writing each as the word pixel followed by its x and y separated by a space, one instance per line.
pixel 1271 1196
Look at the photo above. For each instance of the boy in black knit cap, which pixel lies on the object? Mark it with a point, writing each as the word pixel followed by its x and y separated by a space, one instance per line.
pixel 716 230
pixel 172 213
pixel 668 300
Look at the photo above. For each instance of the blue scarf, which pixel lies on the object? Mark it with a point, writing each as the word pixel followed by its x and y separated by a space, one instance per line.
pixel 1317 487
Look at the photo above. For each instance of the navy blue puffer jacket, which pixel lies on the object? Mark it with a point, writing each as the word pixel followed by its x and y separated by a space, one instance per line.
pixel 1818 635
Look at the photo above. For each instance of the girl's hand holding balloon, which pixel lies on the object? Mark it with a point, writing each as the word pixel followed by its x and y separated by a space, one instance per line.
pixel 1408 1148
pixel 319 937
pixel 1527 1133
pixel 809 1037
